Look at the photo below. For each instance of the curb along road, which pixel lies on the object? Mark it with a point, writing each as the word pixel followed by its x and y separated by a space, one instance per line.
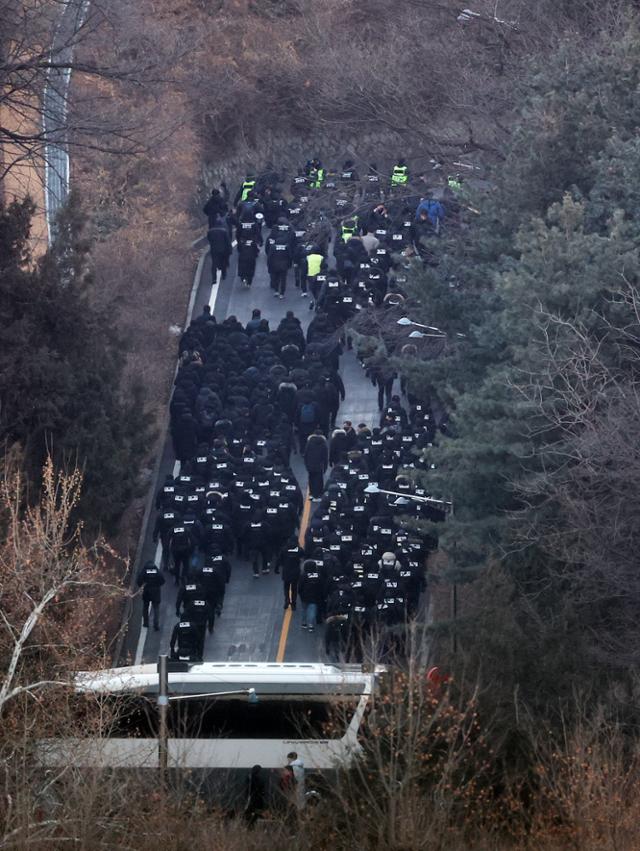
pixel 127 620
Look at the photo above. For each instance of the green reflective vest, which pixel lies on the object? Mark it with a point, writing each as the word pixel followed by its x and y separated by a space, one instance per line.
pixel 348 232
pixel 317 178
pixel 314 262
pixel 247 186
pixel 454 184
pixel 399 175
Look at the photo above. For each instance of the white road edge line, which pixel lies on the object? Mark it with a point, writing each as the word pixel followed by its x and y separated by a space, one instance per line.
pixel 142 640
pixel 216 289
pixel 195 286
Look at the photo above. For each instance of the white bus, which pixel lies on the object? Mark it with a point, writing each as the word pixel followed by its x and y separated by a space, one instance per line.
pixel 223 716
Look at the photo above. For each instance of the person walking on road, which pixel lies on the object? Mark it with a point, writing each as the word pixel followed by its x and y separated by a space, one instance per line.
pixel 316 460
pixel 253 325
pixel 151 580
pixel 248 250
pixel 280 249
pixel 312 591
pixel 216 206
pixel 289 563
pixel 220 246
pixel 308 415
pixel 339 447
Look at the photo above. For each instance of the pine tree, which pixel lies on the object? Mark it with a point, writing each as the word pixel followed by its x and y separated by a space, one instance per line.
pixel 544 286
pixel 62 367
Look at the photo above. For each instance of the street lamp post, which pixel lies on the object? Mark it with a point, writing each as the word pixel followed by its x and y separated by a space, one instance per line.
pixel 373 489
pixel 406 322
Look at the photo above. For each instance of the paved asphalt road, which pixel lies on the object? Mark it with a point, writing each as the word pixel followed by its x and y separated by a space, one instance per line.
pixel 253 626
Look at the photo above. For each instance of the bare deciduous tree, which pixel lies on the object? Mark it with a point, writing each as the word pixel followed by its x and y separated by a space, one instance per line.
pixel 585 493
pixel 55 591
pixel 42 44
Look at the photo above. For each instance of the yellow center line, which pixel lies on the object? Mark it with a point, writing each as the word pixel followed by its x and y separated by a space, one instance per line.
pixel 304 522
pixel 284 634
pixel 286 620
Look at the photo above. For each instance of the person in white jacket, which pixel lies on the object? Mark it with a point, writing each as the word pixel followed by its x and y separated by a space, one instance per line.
pixel 297 766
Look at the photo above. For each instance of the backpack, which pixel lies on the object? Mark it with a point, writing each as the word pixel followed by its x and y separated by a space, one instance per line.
pixel 435 212
pixel 180 541
pixel 308 413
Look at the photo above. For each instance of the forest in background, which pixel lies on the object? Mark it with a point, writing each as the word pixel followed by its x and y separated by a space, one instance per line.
pixel 542 389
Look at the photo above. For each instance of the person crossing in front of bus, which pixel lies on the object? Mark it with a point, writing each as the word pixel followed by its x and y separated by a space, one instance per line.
pixel 299 792
pixel 194 602
pixel 185 642
pixel 256 795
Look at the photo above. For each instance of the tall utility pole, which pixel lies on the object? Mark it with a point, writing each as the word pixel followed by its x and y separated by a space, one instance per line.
pixel 163 713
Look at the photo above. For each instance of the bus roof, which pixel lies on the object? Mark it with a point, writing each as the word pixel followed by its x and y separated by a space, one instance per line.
pixel 211 677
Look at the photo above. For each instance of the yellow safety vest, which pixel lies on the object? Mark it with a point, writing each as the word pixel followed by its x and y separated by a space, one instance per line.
pixel 317 178
pixel 454 184
pixel 314 262
pixel 399 175
pixel 347 232
pixel 247 186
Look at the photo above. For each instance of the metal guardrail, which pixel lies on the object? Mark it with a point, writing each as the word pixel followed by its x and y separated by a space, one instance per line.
pixel 55 109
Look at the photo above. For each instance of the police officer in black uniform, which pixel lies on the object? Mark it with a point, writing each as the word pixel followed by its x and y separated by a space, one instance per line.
pixel 185 642
pixel 151 580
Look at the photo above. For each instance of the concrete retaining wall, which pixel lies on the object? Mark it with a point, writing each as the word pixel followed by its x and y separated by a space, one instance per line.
pixel 289 152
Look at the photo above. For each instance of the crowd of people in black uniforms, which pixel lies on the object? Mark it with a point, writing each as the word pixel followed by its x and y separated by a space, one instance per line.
pixel 247 397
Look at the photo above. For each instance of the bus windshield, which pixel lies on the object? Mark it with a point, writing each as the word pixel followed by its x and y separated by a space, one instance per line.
pixel 234 718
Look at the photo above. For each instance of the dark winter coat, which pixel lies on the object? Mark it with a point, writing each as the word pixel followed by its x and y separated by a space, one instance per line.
pixel 219 241
pixel 316 454
pixel 247 254
pixel 339 447
pixel 151 580
pixel 216 207
pixel 290 561
pixel 311 590
pixel 279 255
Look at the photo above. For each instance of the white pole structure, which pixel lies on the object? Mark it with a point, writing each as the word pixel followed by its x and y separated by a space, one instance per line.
pixel 373 489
